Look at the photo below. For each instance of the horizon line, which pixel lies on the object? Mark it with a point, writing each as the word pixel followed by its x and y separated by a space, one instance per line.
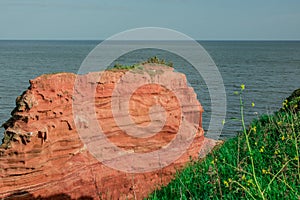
pixel 204 40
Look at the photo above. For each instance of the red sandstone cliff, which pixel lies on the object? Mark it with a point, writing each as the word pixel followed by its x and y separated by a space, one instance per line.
pixel 42 154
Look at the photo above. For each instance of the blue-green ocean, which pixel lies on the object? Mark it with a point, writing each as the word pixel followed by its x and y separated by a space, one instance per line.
pixel 269 69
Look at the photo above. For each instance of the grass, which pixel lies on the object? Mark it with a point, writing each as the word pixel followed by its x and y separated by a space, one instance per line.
pixel 152 60
pixel 261 162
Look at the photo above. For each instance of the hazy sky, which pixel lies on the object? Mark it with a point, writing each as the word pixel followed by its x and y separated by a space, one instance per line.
pixel 200 19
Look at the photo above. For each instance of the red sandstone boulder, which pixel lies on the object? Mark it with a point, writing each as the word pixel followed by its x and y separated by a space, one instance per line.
pixel 44 153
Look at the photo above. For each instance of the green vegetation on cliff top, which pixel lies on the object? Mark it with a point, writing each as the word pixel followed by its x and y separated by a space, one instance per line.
pixel 152 60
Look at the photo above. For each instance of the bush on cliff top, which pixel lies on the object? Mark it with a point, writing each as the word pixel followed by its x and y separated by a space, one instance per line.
pixel 152 60
pixel 227 173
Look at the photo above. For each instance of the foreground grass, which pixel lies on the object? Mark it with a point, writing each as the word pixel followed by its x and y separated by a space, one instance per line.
pixel 262 162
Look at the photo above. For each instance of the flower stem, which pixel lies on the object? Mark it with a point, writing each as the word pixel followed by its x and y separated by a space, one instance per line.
pixel 248 145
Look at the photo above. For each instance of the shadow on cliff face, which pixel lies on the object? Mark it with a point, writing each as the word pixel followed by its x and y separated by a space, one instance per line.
pixel 24 195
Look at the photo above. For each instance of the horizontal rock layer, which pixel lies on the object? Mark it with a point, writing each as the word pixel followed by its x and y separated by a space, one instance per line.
pixel 46 150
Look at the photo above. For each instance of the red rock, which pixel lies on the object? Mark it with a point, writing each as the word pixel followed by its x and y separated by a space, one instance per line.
pixel 42 154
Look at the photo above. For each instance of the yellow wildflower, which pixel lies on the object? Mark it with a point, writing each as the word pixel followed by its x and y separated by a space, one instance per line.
pixel 226 183
pixel 285 103
pixel 243 177
pixel 250 181
pixel 262 149
pixel 282 138
pixel 264 171
pixel 254 129
pixel 242 87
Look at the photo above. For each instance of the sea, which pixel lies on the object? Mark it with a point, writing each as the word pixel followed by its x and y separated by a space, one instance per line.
pixel 270 71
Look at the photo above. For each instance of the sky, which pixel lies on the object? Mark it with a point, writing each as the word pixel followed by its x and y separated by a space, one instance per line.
pixel 199 19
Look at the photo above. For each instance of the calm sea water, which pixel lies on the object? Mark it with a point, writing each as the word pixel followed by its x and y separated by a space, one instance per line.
pixel 270 71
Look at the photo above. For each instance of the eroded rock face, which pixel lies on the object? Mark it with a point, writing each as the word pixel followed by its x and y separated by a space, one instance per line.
pixel 43 154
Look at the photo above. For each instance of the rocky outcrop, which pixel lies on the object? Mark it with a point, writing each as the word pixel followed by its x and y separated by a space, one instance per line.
pixel 44 155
